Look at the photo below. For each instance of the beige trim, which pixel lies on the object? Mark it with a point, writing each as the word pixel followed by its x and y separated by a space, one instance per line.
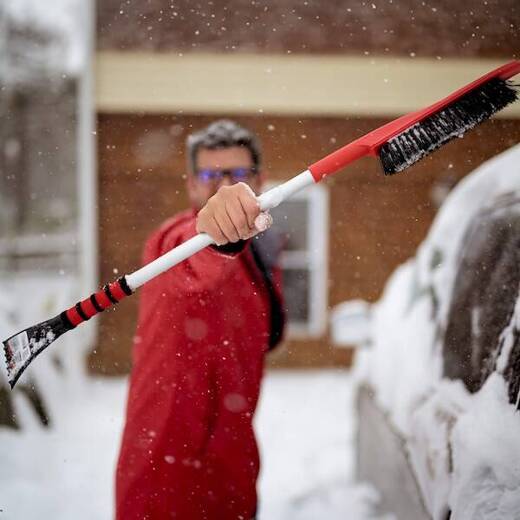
pixel 277 84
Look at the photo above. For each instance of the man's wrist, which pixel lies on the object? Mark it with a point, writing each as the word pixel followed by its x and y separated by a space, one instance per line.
pixel 231 248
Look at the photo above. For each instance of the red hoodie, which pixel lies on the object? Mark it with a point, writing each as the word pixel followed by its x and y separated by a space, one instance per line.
pixel 188 449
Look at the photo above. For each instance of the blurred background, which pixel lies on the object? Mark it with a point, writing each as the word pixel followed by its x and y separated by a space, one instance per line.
pixel 96 100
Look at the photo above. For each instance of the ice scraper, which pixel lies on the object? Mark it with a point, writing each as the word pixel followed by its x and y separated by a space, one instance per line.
pixel 399 144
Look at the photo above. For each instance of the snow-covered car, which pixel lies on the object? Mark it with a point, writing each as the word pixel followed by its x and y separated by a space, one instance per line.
pixel 438 402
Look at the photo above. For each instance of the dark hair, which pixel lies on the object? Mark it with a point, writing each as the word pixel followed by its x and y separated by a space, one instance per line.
pixel 223 133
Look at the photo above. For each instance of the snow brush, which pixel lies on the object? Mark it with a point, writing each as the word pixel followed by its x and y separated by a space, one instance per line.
pixel 399 144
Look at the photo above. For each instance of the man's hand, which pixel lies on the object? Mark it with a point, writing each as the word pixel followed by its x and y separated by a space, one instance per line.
pixel 233 213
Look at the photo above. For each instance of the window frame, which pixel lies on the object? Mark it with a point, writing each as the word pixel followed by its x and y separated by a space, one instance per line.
pixel 315 260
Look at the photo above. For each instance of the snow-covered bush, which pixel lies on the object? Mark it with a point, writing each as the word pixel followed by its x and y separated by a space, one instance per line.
pixel 38 396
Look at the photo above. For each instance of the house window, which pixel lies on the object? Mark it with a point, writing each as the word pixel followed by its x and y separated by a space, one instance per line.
pixel 47 183
pixel 303 221
pixel 48 220
pixel 38 195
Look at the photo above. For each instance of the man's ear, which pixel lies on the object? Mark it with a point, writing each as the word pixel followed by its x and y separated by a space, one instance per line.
pixel 191 188
pixel 190 182
pixel 192 191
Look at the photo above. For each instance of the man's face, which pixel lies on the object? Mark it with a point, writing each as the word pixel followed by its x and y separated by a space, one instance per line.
pixel 202 187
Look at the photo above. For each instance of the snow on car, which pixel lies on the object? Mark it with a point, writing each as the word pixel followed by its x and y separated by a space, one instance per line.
pixel 440 380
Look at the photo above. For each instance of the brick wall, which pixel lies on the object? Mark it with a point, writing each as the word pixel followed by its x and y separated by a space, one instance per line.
pixel 376 222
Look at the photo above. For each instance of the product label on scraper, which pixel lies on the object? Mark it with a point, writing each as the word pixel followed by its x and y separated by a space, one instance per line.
pixel 20 349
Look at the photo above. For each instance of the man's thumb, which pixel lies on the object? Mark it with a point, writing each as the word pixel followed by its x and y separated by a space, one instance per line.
pixel 263 221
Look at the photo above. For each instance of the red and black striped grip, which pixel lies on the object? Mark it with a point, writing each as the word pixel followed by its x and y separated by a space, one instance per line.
pixel 110 294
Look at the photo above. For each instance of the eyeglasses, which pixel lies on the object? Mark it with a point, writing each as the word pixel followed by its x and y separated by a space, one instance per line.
pixel 235 174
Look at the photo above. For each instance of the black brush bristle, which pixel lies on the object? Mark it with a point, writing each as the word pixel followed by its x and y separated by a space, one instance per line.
pixel 24 346
pixel 424 137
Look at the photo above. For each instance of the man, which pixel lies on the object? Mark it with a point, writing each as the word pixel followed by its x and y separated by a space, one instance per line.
pixel 188 450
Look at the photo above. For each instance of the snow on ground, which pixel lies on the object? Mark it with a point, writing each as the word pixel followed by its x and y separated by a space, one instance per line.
pixel 305 424
pixel 66 471
pixel 306 430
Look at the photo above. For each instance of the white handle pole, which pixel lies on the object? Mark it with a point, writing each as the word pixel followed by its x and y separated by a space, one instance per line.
pixel 267 200
pixel 272 198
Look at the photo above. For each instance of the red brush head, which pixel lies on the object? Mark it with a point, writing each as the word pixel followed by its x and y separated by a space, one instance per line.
pixel 408 139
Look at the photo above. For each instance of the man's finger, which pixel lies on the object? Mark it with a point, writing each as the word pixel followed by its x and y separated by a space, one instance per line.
pixel 238 216
pixel 250 205
pixel 213 230
pixel 263 221
pixel 226 226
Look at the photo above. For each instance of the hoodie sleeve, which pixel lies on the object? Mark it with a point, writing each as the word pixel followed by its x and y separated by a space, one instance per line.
pixel 202 271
